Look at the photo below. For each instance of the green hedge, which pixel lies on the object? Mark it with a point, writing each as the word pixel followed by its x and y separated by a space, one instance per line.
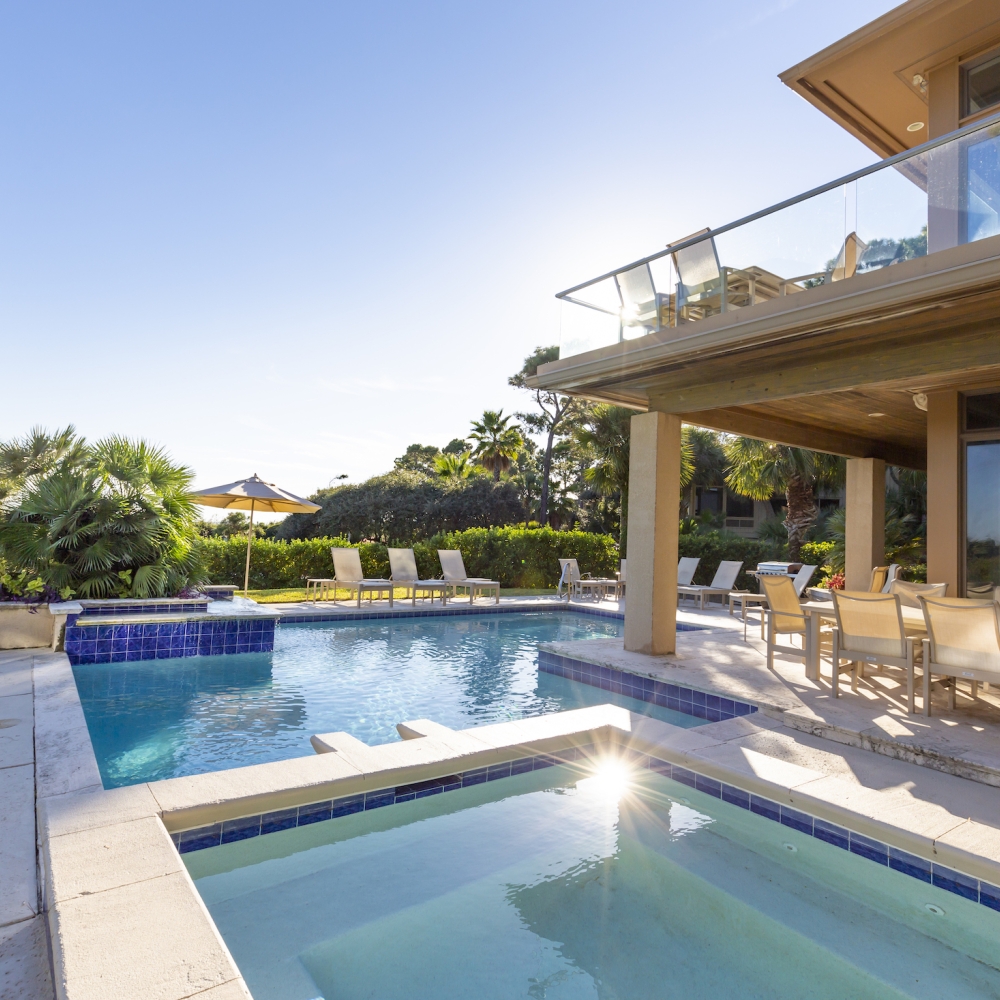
pixel 517 557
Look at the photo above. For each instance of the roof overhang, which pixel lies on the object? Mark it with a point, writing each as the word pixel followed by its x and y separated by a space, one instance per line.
pixel 865 82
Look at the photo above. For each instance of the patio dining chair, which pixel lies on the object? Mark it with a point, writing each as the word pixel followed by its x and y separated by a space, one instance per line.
pixel 783 616
pixel 403 569
pixel 453 570
pixel 870 629
pixel 882 578
pixel 347 573
pixel 963 642
pixel 909 594
pixel 801 579
pixel 722 583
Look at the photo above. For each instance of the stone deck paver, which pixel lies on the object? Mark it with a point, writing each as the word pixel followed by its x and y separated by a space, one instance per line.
pixel 965 742
pixel 24 958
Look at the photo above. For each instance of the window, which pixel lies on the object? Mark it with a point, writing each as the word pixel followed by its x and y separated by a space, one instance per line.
pixel 739 506
pixel 982 517
pixel 981 84
pixel 982 189
pixel 982 411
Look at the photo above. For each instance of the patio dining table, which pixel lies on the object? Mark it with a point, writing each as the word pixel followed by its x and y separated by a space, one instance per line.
pixel 819 611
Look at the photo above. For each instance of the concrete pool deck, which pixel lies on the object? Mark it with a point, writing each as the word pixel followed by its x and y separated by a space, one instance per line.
pixel 124 919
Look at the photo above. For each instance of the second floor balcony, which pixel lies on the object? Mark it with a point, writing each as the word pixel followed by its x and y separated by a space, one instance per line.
pixel 936 197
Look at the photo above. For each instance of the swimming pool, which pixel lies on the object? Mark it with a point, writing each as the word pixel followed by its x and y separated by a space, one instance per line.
pixel 153 719
pixel 552 885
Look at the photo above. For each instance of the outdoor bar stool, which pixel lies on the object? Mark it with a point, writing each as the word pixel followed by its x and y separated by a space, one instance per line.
pixel 870 629
pixel 963 642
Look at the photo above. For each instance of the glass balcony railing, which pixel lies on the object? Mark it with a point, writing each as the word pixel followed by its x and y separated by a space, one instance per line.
pixel 939 195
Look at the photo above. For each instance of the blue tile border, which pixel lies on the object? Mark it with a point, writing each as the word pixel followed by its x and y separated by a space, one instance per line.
pixel 688 701
pixel 873 850
pixel 315 812
pixel 504 609
pixel 252 634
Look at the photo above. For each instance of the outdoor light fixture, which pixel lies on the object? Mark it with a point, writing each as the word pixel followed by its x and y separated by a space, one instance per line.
pixel 920 83
pixel 876 414
pixel 914 126
pixel 920 401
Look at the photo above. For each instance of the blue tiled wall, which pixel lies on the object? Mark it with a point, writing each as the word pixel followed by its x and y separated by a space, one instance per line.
pixel 712 707
pixel 157 641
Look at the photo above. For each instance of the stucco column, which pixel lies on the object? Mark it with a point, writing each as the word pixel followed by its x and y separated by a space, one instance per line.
pixel 944 471
pixel 865 534
pixel 653 515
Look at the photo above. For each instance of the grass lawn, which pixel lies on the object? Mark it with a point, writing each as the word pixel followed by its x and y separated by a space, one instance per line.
pixel 293 595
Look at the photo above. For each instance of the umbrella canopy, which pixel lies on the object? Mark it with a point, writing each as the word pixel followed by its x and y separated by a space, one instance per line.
pixel 254 494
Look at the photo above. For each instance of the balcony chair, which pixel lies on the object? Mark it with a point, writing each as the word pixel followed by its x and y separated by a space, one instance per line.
pixel 403 567
pixel 642 305
pixel 844 266
pixel 721 585
pixel 870 629
pixel 347 573
pixel 963 642
pixel 453 570
pixel 699 280
pixel 783 616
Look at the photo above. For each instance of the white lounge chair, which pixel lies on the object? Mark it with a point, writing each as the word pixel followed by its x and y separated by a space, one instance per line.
pixel 722 583
pixel 347 573
pixel 403 567
pixel 686 566
pixel 576 583
pixel 963 642
pixel 453 571
pixel 801 579
pixel 870 629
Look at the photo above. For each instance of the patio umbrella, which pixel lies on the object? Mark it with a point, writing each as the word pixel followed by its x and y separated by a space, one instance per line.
pixel 254 494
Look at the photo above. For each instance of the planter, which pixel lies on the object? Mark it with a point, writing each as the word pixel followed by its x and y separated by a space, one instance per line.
pixel 26 626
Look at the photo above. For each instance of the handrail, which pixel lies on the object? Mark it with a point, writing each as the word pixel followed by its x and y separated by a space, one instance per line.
pixel 822 189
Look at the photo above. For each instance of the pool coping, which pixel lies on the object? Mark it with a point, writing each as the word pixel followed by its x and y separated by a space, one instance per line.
pixel 78 818
pixel 93 907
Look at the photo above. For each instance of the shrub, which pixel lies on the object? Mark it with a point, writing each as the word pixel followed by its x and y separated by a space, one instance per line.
pixel 517 557
pixel 713 547
pixel 407 506
pixel 115 519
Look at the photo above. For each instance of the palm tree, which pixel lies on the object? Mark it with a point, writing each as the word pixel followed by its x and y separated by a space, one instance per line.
pixel 23 461
pixel 703 461
pixel 607 432
pixel 497 444
pixel 759 469
pixel 449 466
pixel 555 412
pixel 119 523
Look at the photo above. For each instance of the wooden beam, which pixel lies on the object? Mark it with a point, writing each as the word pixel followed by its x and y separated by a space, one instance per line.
pixel 737 420
pixel 901 360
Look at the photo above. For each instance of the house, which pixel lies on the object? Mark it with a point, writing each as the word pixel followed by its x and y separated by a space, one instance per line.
pixel 861 318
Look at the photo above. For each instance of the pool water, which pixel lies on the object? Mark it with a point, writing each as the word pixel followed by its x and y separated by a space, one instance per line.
pixel 153 719
pixel 554 887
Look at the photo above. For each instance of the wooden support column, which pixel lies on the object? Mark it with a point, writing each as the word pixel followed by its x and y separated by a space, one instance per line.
pixel 944 471
pixel 865 527
pixel 653 515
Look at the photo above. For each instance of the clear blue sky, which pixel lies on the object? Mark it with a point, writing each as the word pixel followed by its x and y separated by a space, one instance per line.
pixel 294 238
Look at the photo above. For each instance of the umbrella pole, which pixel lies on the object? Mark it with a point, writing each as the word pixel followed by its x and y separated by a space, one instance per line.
pixel 246 575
